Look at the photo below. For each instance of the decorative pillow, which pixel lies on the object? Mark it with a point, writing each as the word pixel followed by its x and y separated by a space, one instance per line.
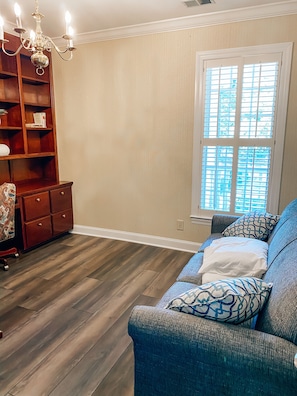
pixel 8 194
pixel 233 257
pixel 258 225
pixel 229 300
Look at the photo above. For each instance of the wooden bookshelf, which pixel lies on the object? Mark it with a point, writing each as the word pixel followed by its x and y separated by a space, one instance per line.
pixel 32 164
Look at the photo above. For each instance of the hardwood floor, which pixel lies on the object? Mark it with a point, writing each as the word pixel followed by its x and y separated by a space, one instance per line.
pixel 64 309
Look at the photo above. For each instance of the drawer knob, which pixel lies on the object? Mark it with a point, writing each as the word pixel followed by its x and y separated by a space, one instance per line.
pixel 37 199
pixel 62 193
pixel 39 224
pixel 64 216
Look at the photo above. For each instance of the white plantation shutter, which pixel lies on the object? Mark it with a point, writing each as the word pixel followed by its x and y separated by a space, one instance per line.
pixel 236 132
pixel 252 179
pixel 259 89
pixel 216 180
pixel 220 101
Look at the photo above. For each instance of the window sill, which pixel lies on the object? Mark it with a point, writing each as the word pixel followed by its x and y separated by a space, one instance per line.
pixel 201 220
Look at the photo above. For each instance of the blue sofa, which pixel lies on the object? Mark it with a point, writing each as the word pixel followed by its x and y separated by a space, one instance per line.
pixel 178 354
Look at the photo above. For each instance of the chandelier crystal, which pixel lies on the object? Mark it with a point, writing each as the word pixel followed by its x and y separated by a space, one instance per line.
pixel 37 42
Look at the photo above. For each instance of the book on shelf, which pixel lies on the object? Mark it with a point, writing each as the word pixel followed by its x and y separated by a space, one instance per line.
pixel 40 119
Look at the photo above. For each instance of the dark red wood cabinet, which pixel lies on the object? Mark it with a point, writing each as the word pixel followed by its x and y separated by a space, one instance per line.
pixel 44 204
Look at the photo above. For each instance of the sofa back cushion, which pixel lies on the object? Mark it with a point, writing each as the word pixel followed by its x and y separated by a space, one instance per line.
pixel 279 316
pixel 289 212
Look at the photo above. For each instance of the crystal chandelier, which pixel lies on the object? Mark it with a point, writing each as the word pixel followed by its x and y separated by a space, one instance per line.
pixel 37 42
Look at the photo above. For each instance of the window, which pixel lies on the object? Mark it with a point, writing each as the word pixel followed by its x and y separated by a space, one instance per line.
pixel 240 114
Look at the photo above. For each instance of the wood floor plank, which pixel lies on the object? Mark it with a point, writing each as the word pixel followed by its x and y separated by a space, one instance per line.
pixel 114 288
pixel 32 290
pixel 162 257
pixel 15 339
pixel 57 364
pixel 95 365
pixel 167 275
pixel 56 287
pixel 29 266
pixel 102 357
pixel 40 262
pixel 13 318
pixel 34 351
pixel 78 256
pixel 116 255
pixel 4 292
pixel 65 308
pixel 119 380
pixel 135 262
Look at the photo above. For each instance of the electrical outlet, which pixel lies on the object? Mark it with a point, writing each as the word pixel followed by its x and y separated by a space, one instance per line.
pixel 180 225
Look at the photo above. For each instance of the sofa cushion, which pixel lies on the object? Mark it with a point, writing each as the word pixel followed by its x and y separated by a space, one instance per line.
pixel 289 212
pixel 176 289
pixel 209 241
pixel 229 300
pixel 279 317
pixel 234 257
pixel 285 236
pixel 258 225
pixel 190 272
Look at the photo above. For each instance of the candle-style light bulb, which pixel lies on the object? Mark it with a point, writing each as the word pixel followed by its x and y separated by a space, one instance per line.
pixel 67 20
pixel 70 31
pixel 70 35
pixel 17 11
pixel 1 28
pixel 32 36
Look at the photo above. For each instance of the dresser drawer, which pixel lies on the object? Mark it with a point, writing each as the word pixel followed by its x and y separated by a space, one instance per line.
pixel 36 205
pixel 61 199
pixel 62 222
pixel 38 231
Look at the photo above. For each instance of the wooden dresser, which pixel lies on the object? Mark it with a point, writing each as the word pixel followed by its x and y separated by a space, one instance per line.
pixel 45 213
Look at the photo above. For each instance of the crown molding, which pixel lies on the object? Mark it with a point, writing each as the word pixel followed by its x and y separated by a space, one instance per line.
pixel 170 25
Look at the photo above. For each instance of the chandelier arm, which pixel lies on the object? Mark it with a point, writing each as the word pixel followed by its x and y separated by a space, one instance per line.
pixel 27 47
pixel 59 51
pixel 62 57
pixel 11 53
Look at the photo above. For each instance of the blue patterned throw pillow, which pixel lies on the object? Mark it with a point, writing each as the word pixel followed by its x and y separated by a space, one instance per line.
pixel 257 225
pixel 230 300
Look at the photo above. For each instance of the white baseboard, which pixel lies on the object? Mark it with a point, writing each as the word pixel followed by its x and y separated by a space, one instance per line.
pixel 169 243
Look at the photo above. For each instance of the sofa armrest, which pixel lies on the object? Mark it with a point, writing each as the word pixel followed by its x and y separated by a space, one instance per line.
pixel 220 221
pixel 180 354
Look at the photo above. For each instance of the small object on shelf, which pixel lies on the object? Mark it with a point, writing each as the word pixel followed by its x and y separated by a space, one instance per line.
pixel 33 125
pixel 40 119
pixel 4 150
pixel 2 112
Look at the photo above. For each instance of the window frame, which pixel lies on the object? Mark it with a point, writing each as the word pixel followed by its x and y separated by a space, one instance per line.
pixel 284 50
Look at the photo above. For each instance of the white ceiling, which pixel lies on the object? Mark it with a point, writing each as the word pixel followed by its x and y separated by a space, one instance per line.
pixel 91 17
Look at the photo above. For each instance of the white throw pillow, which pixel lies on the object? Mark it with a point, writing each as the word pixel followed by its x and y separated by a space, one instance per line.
pixel 232 257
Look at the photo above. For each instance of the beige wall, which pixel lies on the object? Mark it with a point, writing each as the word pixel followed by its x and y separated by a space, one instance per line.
pixel 125 125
